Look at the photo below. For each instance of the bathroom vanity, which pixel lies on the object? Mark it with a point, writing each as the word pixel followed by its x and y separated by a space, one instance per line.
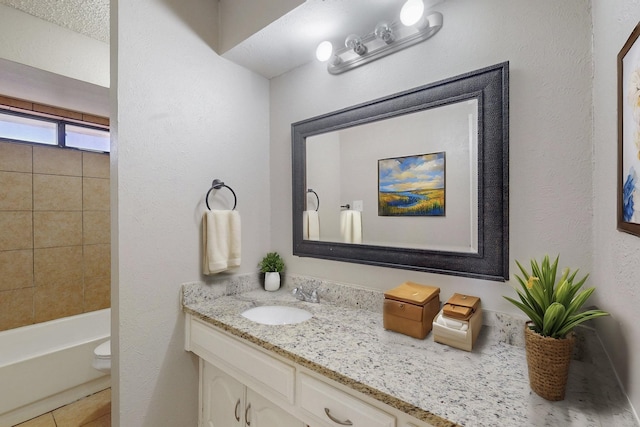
pixel 242 384
pixel 342 368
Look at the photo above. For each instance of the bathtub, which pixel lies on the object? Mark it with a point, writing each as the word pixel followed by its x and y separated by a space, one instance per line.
pixel 48 365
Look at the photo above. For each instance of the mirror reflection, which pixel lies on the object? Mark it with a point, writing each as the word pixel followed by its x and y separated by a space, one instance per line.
pixel 408 181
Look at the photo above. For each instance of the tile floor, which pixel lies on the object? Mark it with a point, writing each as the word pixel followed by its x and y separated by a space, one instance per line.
pixel 92 411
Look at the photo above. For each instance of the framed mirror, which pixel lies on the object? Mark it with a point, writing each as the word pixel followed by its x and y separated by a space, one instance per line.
pixel 417 180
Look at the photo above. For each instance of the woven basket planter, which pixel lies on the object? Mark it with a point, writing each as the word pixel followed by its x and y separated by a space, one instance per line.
pixel 548 362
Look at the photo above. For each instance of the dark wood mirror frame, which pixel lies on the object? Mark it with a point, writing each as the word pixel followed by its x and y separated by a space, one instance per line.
pixel 490 87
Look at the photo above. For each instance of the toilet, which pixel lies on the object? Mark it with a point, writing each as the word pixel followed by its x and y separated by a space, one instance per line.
pixel 102 357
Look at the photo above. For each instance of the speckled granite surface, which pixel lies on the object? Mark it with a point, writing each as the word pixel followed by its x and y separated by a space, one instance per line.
pixel 346 342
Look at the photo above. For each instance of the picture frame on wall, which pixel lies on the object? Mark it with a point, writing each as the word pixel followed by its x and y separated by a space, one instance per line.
pixel 628 217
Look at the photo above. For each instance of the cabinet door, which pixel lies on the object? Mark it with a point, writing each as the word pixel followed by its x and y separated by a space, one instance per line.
pixel 263 413
pixel 222 399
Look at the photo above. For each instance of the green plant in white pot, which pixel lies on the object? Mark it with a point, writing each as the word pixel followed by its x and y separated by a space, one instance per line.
pixel 553 307
pixel 271 265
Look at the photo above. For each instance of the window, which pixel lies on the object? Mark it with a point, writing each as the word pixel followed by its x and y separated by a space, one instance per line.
pixel 25 127
pixel 86 138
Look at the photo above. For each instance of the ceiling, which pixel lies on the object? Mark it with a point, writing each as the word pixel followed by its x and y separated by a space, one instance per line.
pixel 88 17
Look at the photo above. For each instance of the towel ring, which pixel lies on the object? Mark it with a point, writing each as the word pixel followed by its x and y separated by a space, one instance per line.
pixel 318 198
pixel 216 185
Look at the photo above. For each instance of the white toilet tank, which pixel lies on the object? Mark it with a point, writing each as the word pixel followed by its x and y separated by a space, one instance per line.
pixel 102 357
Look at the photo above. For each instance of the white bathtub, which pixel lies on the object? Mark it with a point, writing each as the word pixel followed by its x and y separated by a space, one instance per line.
pixel 48 365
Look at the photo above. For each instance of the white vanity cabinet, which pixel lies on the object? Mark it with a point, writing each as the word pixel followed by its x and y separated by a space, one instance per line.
pixel 242 385
pixel 226 402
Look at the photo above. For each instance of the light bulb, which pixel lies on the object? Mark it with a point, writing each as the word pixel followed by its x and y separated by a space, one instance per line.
pixel 384 33
pixel 411 12
pixel 324 51
pixel 355 42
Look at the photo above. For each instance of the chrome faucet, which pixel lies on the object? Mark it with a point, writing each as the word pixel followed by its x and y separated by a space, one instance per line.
pixel 305 296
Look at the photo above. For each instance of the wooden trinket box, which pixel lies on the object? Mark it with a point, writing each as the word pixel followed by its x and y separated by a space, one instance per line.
pixel 410 309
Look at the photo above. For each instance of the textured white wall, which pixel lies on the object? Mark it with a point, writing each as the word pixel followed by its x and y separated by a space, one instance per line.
pixel 548 44
pixel 37 43
pixel 239 19
pixel 616 255
pixel 183 116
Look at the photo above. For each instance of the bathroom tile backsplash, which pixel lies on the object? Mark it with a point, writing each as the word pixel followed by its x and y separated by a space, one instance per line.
pixel 94 193
pixel 57 228
pixel 96 226
pixel 16 307
pixel 53 301
pixel 54 161
pixel 57 193
pixel 55 242
pixel 15 191
pixel 95 167
pixel 16 158
pixel 57 266
pixel 16 268
pixel 19 230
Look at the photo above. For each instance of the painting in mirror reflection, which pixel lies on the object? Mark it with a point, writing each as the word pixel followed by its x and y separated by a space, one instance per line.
pixel 412 185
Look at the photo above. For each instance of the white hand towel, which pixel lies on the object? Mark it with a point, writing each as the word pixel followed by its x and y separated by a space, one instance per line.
pixel 311 225
pixel 356 220
pixel 235 239
pixel 351 226
pixel 221 241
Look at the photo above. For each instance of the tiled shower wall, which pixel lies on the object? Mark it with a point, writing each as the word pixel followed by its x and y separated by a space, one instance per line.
pixel 55 252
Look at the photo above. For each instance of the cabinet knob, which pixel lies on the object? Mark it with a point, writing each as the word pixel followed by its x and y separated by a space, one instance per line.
pixel 335 420
pixel 236 413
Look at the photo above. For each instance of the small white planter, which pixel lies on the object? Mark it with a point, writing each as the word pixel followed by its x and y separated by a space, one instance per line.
pixel 272 281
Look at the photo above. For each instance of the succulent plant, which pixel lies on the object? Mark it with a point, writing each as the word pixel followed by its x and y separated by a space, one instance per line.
pixel 552 305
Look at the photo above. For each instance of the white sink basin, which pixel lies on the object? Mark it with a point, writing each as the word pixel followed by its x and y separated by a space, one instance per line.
pixel 276 315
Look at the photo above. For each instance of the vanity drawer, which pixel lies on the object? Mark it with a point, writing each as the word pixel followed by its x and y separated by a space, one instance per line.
pixel 335 408
pixel 261 372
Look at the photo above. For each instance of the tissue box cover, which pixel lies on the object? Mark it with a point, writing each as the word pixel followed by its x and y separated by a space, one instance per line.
pixel 410 309
pixel 463 340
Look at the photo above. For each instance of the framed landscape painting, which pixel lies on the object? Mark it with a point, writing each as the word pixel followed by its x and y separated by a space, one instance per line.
pixel 412 185
pixel 629 135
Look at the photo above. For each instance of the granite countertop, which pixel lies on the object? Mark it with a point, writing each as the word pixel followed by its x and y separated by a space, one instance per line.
pixel 432 382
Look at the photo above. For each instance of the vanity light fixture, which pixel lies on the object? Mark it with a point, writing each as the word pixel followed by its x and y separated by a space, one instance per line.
pixel 386 38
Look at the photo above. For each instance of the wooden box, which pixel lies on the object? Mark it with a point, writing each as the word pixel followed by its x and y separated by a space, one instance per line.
pixel 463 340
pixel 410 309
